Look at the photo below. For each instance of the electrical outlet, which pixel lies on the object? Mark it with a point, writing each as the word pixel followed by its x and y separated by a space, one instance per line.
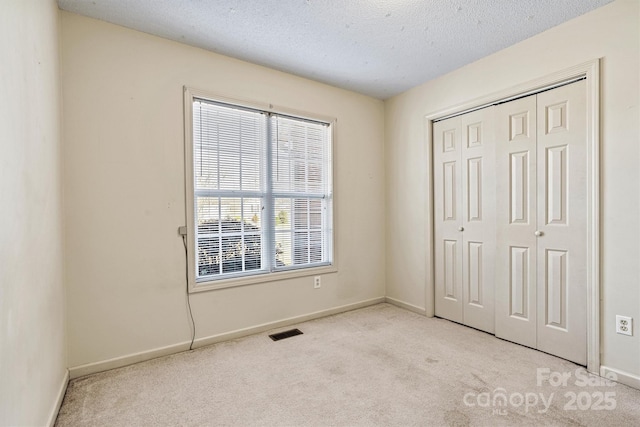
pixel 624 325
pixel 316 282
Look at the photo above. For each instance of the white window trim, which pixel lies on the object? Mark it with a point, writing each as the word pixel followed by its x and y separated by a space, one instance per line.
pixel 194 285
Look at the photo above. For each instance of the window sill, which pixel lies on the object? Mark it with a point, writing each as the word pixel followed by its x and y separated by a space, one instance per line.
pixel 261 278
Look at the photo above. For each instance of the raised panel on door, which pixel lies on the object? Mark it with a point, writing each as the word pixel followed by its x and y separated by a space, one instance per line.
pixel 478 218
pixel 515 256
pixel 562 219
pixel 447 193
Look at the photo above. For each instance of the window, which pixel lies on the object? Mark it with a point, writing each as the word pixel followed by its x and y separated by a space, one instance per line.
pixel 261 191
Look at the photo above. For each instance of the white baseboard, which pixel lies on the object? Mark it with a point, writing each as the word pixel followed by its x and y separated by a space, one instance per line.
pixel 118 362
pixel 130 359
pixel 622 377
pixel 53 415
pixel 406 305
pixel 201 342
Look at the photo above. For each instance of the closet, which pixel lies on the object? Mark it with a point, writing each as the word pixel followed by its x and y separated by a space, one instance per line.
pixel 464 191
pixel 510 199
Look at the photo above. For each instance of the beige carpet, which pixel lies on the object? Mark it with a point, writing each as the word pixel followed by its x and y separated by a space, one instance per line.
pixel 380 365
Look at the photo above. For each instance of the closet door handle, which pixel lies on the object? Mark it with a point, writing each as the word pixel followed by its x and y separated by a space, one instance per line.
pixel 460 228
pixel 539 233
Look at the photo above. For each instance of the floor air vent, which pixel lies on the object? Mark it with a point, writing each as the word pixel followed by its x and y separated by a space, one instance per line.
pixel 286 334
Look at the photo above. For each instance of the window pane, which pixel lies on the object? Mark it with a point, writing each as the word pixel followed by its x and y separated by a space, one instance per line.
pixel 300 214
pixel 283 214
pixel 207 215
pixel 252 220
pixel 301 247
pixel 229 235
pixel 208 256
pixel 228 147
pixel 300 240
pixel 300 155
pixel 283 249
pixel 315 214
pixel 315 246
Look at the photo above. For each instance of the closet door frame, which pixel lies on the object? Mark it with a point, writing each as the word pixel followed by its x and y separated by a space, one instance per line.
pixel 590 70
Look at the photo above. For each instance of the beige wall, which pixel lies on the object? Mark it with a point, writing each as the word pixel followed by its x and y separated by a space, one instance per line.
pixel 124 192
pixel 124 181
pixel 32 337
pixel 612 33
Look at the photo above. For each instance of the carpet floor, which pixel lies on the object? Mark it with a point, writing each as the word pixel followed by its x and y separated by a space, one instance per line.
pixel 377 366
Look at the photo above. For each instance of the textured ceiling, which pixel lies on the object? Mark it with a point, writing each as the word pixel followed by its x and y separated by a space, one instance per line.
pixel 376 47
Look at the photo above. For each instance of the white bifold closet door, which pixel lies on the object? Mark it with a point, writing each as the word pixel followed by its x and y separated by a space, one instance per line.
pixel 464 204
pixel 541 222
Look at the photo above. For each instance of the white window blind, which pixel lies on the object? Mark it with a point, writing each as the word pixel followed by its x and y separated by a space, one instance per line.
pixel 301 184
pixel 262 191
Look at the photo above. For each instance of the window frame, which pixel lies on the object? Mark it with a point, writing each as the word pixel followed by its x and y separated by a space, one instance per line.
pixel 190 95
